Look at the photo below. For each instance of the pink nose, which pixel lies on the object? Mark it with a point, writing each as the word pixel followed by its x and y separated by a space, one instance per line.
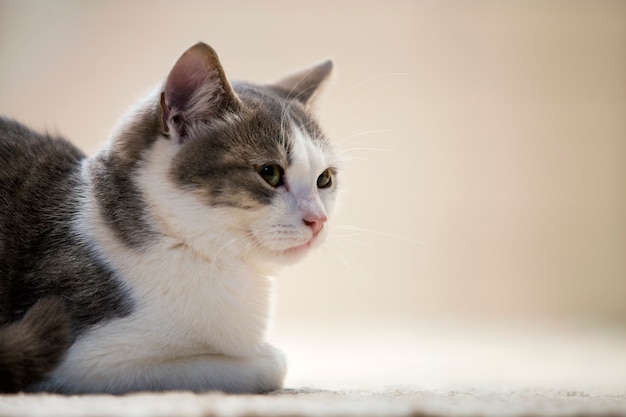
pixel 316 223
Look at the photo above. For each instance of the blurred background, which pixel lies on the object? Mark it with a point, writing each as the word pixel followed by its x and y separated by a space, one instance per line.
pixel 485 148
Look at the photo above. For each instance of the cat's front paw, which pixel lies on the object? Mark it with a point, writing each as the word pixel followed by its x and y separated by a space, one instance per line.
pixel 271 369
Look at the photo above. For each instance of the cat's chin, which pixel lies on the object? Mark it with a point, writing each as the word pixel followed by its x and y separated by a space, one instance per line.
pixel 298 252
pixel 290 255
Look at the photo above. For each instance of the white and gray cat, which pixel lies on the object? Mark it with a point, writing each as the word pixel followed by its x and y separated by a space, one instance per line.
pixel 145 267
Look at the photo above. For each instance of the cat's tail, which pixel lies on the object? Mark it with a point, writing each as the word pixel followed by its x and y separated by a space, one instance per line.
pixel 33 346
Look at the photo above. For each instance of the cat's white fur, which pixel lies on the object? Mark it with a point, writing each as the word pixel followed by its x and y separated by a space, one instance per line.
pixel 202 292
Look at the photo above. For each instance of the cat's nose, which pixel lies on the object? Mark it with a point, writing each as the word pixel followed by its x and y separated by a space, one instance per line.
pixel 315 223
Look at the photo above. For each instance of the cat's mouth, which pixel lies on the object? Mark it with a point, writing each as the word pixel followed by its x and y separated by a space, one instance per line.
pixel 290 253
pixel 314 241
pixel 300 248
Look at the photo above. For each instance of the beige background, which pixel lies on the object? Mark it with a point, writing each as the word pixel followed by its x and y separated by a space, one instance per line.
pixel 485 141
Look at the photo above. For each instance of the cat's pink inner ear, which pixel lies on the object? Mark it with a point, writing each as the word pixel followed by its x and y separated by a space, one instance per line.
pixel 195 89
pixel 190 72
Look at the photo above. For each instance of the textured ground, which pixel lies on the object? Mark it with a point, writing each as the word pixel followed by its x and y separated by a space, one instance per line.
pixel 395 369
pixel 307 402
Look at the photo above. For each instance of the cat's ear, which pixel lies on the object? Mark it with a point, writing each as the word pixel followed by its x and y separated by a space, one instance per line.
pixel 196 90
pixel 305 84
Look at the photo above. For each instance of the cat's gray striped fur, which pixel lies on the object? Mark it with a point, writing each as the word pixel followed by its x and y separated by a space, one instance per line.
pixel 75 232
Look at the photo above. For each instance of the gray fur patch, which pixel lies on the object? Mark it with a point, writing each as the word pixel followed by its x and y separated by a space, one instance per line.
pixel 219 160
pixel 41 256
pixel 113 171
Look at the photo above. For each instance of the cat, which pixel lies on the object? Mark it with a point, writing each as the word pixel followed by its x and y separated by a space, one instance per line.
pixel 147 266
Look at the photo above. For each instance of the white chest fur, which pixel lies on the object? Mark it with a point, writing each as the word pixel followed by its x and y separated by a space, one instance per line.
pixel 186 303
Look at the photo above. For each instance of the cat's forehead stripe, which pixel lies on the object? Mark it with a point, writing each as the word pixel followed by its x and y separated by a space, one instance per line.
pixel 308 159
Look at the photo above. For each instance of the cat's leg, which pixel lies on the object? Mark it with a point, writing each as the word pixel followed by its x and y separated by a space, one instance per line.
pixel 32 346
pixel 263 372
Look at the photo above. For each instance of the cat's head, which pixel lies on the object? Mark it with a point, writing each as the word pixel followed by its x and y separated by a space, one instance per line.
pixel 240 167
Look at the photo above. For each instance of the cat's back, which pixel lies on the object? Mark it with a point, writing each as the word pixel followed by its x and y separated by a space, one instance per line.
pixel 30 161
pixel 42 252
pixel 38 175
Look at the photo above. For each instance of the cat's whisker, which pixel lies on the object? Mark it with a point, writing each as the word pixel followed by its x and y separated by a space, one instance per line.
pixel 353 240
pixel 360 134
pixel 346 159
pixel 356 146
pixel 356 274
pixel 347 235
pixel 350 158
pixel 358 229
pixel 336 251
pixel 351 152
pixel 346 150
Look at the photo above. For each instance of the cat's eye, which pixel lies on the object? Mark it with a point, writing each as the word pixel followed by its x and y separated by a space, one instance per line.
pixel 325 179
pixel 272 174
